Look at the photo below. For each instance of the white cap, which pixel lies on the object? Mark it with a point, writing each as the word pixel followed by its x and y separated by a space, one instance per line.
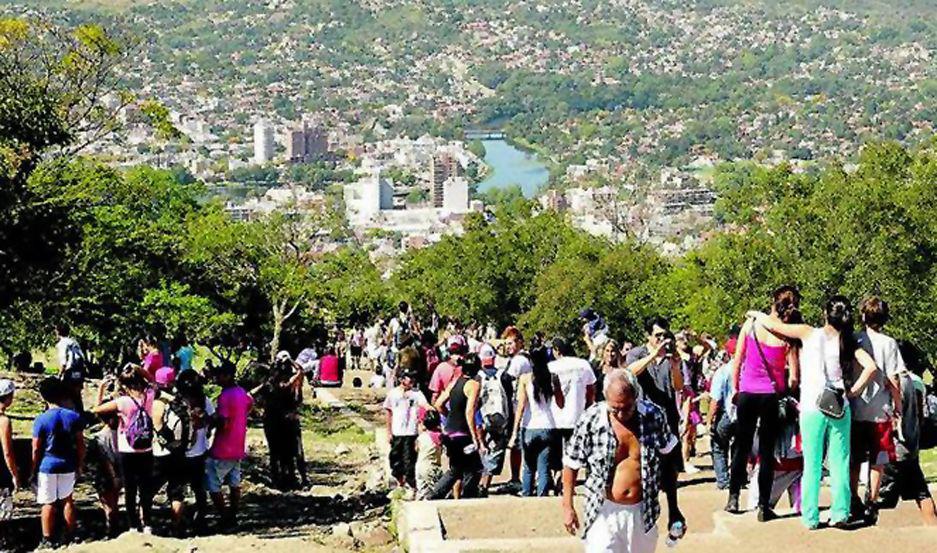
pixel 6 387
pixel 283 355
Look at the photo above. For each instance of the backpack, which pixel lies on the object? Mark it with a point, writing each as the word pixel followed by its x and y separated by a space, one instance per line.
pixel 176 431
pixel 403 330
pixel 929 420
pixel 74 360
pixel 140 430
pixel 495 406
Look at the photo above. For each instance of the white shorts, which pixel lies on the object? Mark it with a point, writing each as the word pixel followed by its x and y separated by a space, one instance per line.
pixel 619 529
pixel 54 487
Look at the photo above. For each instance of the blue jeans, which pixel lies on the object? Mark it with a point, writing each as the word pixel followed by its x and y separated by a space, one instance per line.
pixel 539 446
pixel 720 441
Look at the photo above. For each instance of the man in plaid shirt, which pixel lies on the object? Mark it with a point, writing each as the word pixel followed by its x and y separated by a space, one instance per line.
pixel 620 442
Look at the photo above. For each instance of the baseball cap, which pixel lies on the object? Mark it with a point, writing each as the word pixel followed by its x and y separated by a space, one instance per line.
pixel 165 376
pixel 7 387
pixel 457 344
pixel 487 354
pixel 283 355
pixel 731 344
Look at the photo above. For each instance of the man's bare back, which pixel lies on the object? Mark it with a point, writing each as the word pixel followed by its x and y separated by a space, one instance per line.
pixel 626 483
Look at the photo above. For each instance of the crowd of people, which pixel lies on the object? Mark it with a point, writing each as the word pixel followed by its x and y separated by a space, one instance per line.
pixel 784 403
pixel 152 427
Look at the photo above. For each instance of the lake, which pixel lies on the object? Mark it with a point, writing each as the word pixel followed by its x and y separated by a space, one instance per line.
pixel 512 166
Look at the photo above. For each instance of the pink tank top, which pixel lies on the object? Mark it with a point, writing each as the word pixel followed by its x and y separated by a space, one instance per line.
pixel 755 377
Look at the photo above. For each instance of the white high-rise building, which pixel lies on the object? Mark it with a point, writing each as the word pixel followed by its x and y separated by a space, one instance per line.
pixel 455 195
pixel 263 142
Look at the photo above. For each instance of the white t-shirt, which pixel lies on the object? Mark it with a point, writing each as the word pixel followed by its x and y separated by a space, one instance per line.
pixel 200 444
pixel 62 349
pixel 519 364
pixel 404 409
pixel 574 375
pixel 818 350
pixel 539 414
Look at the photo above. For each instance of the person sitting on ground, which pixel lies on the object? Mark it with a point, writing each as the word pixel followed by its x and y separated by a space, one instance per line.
pixel 134 407
pixel 173 435
pixel 402 406
pixel 622 505
pixel 9 470
pixel 330 373
pixel 428 455
pixel 104 461
pixel 229 447
pixel 534 422
pixel 58 458
pixel 495 402
pixel 903 478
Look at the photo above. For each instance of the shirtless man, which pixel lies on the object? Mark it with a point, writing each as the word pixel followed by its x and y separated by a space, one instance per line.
pixel 621 517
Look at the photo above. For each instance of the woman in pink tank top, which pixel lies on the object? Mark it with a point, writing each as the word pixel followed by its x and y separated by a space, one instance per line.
pixel 760 379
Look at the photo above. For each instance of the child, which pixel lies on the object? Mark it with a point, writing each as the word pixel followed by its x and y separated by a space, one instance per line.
pixel 58 455
pixel 108 482
pixel 402 407
pixel 428 455
pixel 9 472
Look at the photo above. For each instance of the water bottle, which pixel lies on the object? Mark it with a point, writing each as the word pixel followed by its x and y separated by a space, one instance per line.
pixel 676 532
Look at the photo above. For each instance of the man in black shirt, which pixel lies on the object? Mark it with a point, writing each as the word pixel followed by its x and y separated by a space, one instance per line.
pixel 658 371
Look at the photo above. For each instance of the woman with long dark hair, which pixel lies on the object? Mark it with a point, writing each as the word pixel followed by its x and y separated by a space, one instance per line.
pixel 462 436
pixel 534 424
pixel 760 378
pixel 826 357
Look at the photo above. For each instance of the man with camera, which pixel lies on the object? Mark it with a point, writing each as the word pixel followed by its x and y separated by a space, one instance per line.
pixel 657 369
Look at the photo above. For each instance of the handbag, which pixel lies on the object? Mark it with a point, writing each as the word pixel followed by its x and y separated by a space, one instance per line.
pixel 786 412
pixel 832 400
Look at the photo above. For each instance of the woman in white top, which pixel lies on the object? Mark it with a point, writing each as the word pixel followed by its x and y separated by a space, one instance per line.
pixel 827 354
pixel 533 422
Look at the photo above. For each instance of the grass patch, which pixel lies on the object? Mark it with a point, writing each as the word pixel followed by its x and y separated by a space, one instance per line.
pixel 330 426
pixel 929 464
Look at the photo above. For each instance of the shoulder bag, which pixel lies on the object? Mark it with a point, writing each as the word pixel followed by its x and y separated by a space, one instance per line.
pixel 832 400
pixel 786 412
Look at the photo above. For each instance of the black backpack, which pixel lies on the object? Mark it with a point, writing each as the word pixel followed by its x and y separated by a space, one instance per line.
pixel 176 433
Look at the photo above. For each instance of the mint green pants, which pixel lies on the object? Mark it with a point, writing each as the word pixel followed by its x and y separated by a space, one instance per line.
pixel 821 433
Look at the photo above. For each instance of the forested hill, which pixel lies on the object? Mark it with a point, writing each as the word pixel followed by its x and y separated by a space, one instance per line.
pixel 640 82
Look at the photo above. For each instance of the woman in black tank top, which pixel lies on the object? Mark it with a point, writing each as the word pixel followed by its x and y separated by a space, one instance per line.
pixel 461 446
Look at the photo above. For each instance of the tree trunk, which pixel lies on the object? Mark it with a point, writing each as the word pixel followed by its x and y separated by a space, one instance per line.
pixel 278 319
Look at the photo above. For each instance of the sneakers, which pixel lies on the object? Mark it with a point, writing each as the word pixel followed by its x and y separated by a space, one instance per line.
pixel 732 505
pixel 147 530
pixel 690 468
pixel 765 514
pixel 45 545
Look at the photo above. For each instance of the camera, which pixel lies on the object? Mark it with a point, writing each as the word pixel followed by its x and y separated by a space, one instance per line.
pixel 670 343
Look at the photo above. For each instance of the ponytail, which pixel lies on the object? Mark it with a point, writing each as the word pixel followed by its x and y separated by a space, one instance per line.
pixel 839 316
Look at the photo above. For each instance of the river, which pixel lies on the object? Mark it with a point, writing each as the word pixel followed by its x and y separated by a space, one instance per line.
pixel 512 166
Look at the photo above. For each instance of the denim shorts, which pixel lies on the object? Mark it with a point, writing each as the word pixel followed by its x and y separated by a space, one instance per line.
pixel 219 473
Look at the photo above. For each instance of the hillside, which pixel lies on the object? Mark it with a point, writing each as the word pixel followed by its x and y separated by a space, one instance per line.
pixel 639 83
